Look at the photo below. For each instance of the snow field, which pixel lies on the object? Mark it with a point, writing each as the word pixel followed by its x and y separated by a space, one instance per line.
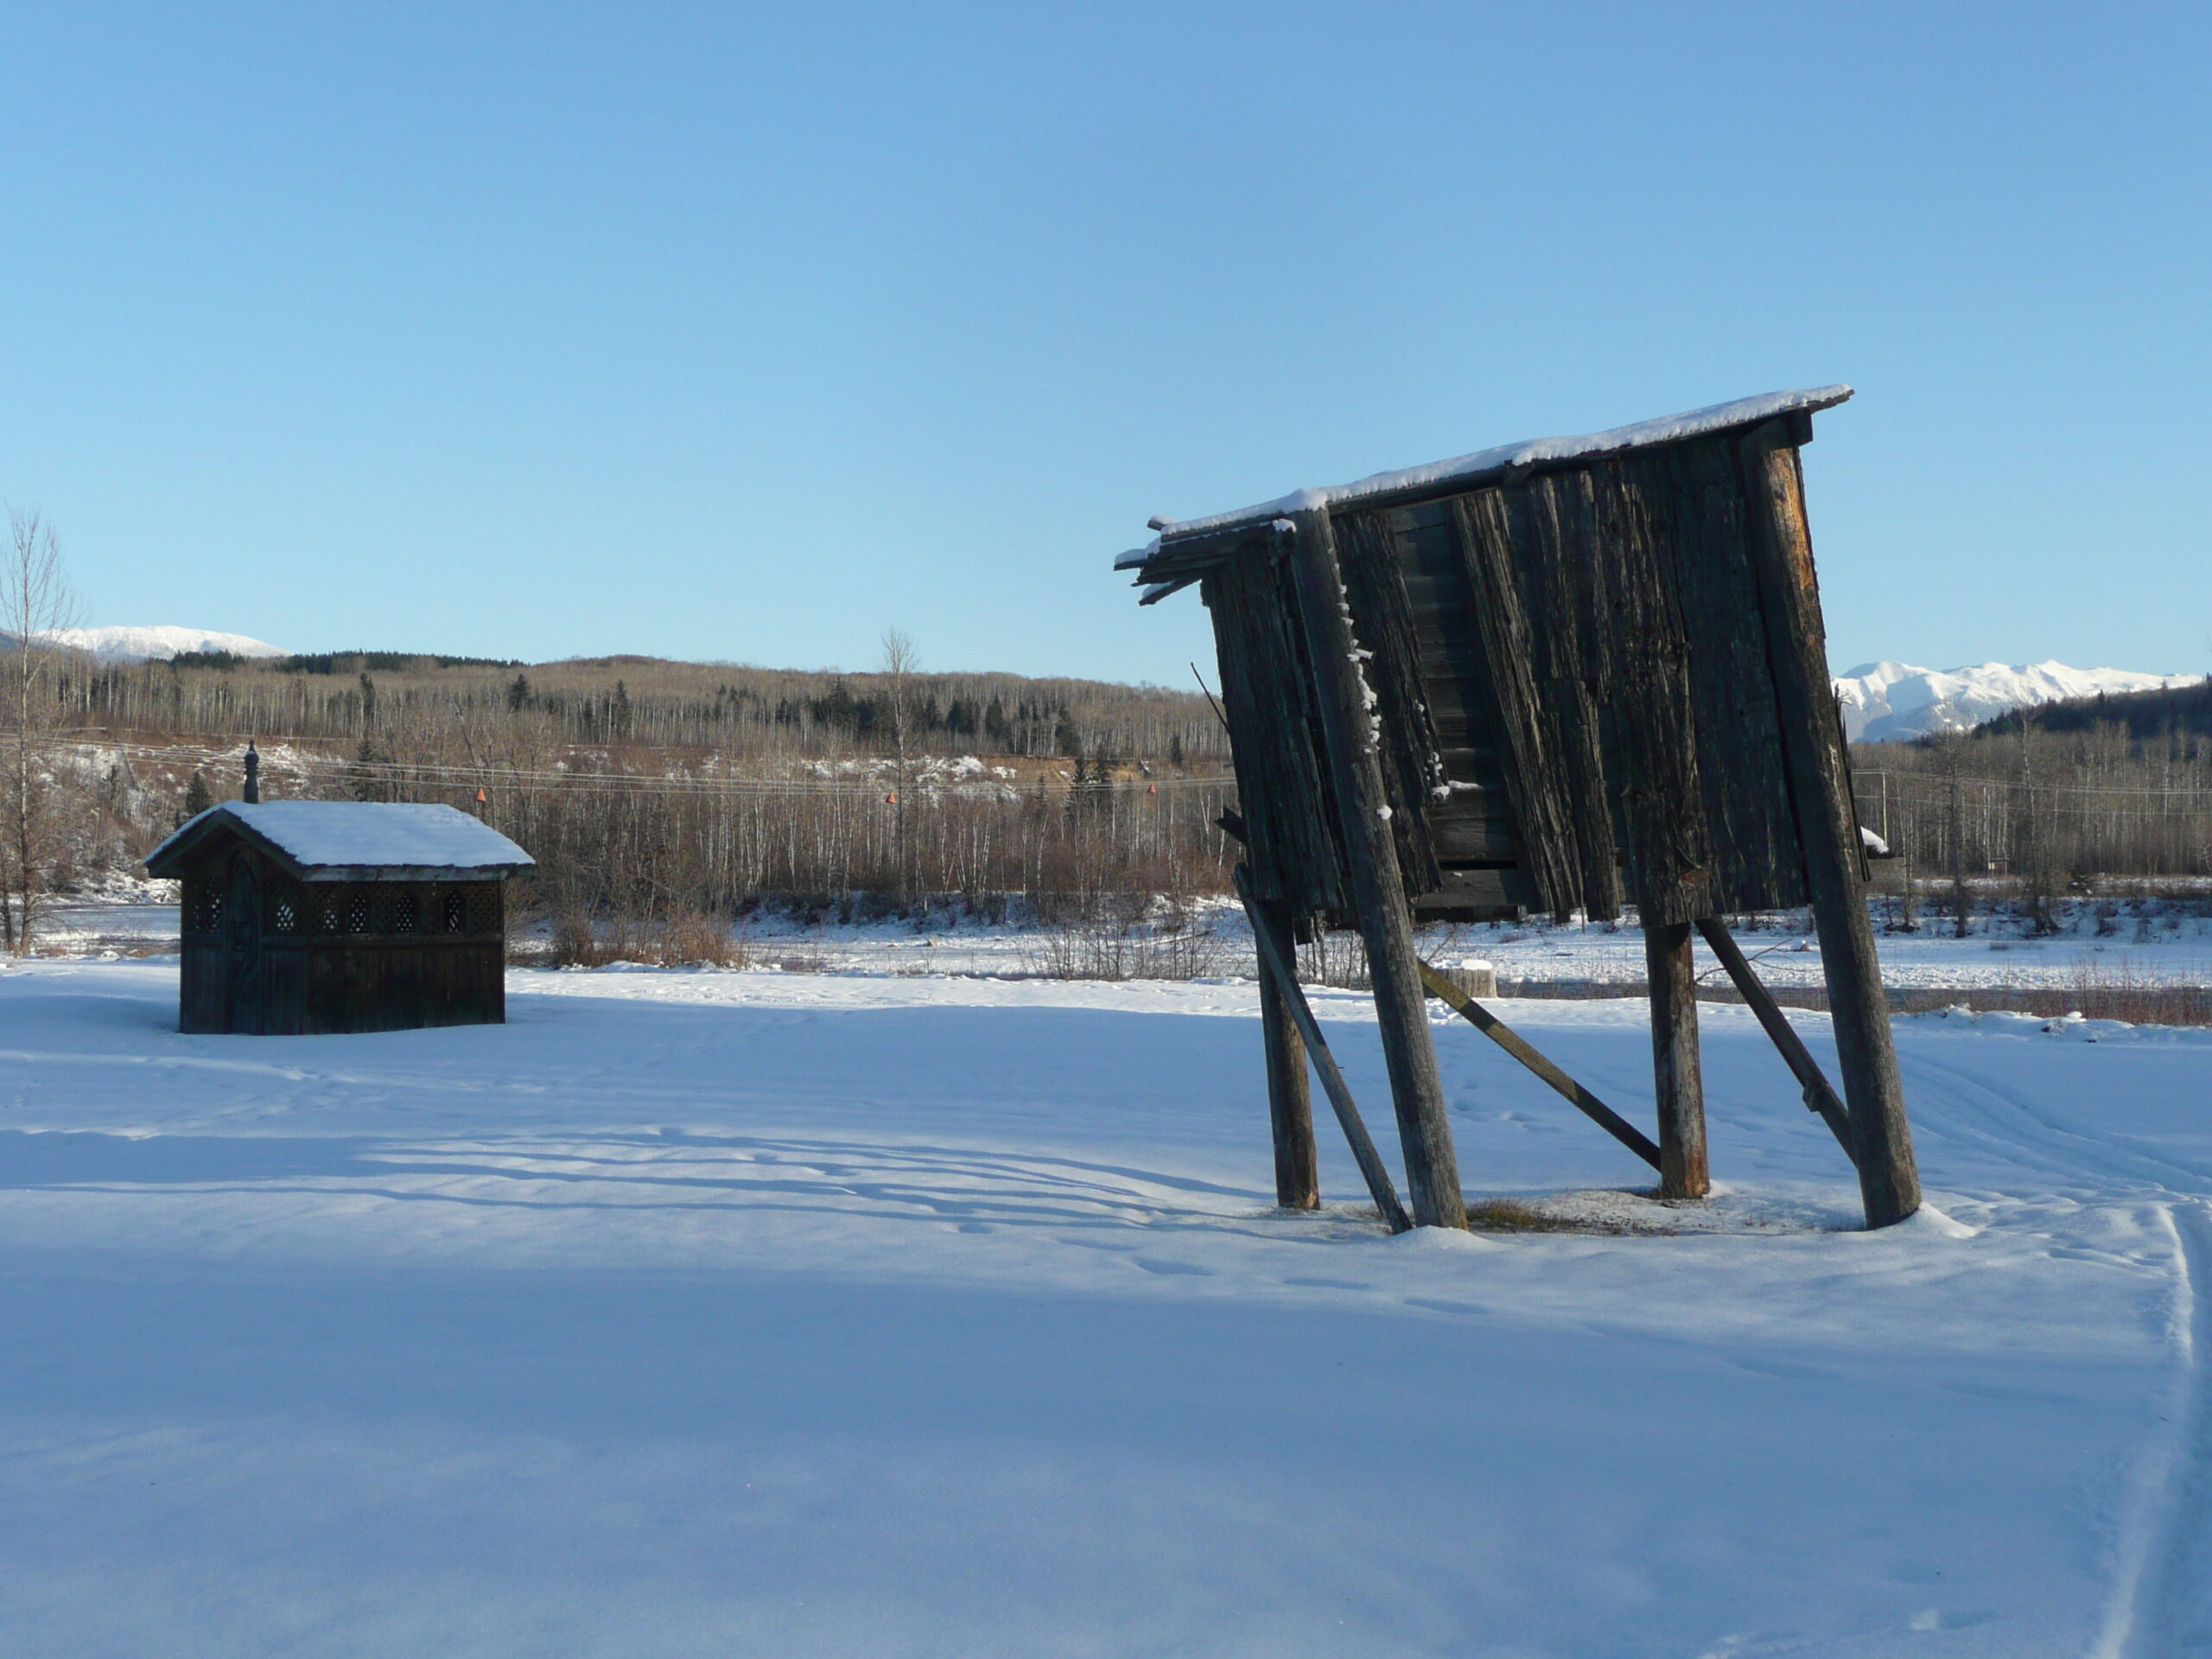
pixel 712 1313
pixel 2176 948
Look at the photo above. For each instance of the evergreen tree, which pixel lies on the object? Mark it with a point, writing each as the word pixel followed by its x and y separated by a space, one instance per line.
pixel 365 785
pixel 198 798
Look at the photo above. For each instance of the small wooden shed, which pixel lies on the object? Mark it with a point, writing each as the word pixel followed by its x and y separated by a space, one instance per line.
pixel 303 917
pixel 1567 674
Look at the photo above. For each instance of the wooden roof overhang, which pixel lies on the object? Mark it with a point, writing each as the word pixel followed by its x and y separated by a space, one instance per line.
pixel 1568 657
pixel 1184 550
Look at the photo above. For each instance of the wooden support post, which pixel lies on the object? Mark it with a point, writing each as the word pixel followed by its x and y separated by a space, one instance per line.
pixel 1681 1088
pixel 1378 891
pixel 1819 1095
pixel 1290 1096
pixel 1277 963
pixel 1530 1056
pixel 1889 1179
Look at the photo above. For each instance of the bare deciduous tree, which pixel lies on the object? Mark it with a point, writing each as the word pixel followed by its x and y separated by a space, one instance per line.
pixel 35 604
pixel 902 662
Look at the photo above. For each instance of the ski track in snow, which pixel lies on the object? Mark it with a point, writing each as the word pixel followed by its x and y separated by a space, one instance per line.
pixel 2164 1604
pixel 2008 1120
pixel 2162 1593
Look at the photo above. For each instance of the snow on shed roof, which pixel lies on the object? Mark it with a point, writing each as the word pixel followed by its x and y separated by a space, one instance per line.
pixel 1506 457
pixel 334 840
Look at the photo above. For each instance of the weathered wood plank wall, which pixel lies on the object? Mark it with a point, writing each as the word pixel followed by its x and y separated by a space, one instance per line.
pixel 1382 619
pixel 1627 655
pixel 328 958
pixel 1266 695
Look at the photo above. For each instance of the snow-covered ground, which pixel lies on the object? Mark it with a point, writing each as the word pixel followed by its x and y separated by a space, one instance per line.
pixel 716 1313
pixel 2173 948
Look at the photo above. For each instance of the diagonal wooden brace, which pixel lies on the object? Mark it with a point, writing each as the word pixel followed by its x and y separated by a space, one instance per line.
pixel 1525 1051
pixel 1275 960
pixel 1819 1095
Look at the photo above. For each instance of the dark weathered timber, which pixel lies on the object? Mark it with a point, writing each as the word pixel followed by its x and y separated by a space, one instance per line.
pixel 1462 713
pixel 1464 836
pixel 1413 771
pixel 1642 676
pixel 1531 605
pixel 1501 894
pixel 1626 592
pixel 1551 853
pixel 1378 891
pixel 1278 963
pixel 291 958
pixel 1752 824
pixel 1595 677
pixel 1555 531
pixel 1527 1052
pixel 1889 1178
pixel 1820 1096
pixel 1683 1173
pixel 1290 1096
pixel 246 987
pixel 1266 686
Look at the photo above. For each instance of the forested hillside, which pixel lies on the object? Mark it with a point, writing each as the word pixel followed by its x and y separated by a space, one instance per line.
pixel 2180 711
pixel 2052 797
pixel 734 710
pixel 654 789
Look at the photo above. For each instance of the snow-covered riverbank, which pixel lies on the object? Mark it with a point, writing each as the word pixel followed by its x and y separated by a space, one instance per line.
pixel 2156 944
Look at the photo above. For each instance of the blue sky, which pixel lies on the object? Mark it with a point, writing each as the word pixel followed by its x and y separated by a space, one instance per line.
pixel 746 334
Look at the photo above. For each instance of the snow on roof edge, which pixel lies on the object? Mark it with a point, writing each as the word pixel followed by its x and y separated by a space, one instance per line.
pixel 344 834
pixel 1666 429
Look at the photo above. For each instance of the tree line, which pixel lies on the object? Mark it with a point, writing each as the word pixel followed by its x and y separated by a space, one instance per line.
pixel 2049 804
pixel 663 792
pixel 739 712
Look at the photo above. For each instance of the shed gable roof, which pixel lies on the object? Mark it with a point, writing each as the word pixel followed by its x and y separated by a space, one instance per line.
pixel 351 841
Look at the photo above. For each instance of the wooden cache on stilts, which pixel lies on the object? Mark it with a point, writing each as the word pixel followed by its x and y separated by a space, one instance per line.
pixel 1567 675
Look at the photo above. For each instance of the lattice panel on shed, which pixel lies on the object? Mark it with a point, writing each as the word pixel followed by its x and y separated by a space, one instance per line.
pixel 203 907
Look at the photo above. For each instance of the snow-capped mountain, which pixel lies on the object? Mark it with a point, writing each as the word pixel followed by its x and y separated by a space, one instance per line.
pixel 159 644
pixel 1886 700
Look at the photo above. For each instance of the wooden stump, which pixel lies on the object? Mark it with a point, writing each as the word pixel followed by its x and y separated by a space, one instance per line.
pixel 1681 1086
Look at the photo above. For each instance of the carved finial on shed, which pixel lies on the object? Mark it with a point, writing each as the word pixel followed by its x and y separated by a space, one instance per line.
pixel 252 773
